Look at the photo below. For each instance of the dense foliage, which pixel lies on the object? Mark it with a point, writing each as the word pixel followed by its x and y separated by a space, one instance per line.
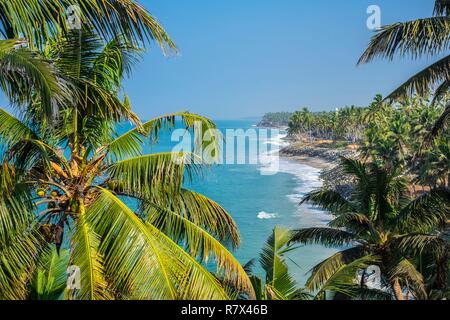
pixel 275 119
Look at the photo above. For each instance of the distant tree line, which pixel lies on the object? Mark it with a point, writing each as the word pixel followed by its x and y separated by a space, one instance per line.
pixel 275 119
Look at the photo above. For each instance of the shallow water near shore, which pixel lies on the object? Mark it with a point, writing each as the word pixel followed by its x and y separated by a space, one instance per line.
pixel 260 202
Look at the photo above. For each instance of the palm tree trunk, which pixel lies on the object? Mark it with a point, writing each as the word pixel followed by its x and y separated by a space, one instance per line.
pixel 442 272
pixel 398 292
pixel 448 181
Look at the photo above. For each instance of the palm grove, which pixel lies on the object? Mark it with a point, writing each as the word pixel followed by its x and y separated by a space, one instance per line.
pixel 389 204
pixel 67 177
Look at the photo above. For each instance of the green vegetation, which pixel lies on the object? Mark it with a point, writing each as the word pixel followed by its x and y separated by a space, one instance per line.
pixel 67 179
pixel 278 283
pixel 389 134
pixel 343 124
pixel 275 119
pixel 391 206
pixel 75 192
pixel 380 222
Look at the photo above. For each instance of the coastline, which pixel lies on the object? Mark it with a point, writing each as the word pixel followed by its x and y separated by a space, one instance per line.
pixel 314 156
pixel 314 162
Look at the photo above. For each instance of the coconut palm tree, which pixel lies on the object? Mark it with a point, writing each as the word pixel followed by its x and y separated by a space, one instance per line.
pixel 415 39
pixel 32 24
pixel 124 216
pixel 37 21
pixel 371 221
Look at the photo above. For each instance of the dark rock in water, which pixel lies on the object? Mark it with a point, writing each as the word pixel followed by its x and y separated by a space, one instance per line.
pixel 331 155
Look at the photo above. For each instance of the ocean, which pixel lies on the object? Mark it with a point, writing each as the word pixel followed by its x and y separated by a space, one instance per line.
pixel 259 202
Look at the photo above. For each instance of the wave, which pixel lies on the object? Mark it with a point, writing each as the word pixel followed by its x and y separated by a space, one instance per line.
pixel 307 178
pixel 266 215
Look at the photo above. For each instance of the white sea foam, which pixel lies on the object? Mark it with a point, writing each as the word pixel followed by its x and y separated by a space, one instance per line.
pixel 307 179
pixel 266 215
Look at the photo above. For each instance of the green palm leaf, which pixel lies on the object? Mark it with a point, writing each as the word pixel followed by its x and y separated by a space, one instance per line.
pixel 343 280
pixel 414 38
pixel 19 245
pixel 425 81
pixel 201 211
pixel 128 144
pixel 141 175
pixel 199 243
pixel 12 130
pixel 85 255
pixel 325 236
pixel 24 72
pixel 425 212
pixel 322 272
pixel 40 20
pixel 50 277
pixel 280 283
pixel 142 262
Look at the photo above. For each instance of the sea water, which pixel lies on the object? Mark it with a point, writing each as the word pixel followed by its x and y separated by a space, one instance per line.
pixel 259 202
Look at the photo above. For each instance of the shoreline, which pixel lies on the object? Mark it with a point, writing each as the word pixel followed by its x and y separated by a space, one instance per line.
pixel 314 162
pixel 314 156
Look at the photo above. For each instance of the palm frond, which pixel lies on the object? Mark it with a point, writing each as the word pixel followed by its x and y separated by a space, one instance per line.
pixel 416 244
pixel 24 73
pixel 272 261
pixel 328 237
pixel 322 272
pixel 442 122
pixel 19 245
pixel 152 128
pixel 199 243
pixel 159 171
pixel 426 212
pixel 424 81
pixel 142 262
pixel 123 17
pixel 12 130
pixel 50 277
pixel 201 211
pixel 113 62
pixel 356 222
pixel 440 91
pixel 85 254
pixel 328 200
pixel 415 38
pixel 442 7
pixel 410 276
pixel 39 21
pixel 343 280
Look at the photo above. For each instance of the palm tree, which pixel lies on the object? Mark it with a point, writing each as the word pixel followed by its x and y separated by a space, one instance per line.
pixel 127 221
pixel 279 284
pixel 38 21
pixel 371 222
pixel 32 24
pixel 417 38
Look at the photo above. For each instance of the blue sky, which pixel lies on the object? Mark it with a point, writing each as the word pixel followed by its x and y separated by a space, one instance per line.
pixel 242 58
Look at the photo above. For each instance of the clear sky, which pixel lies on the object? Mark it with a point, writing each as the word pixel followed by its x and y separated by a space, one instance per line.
pixel 242 58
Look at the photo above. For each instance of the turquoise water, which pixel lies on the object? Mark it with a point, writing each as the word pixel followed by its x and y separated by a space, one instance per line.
pixel 260 202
